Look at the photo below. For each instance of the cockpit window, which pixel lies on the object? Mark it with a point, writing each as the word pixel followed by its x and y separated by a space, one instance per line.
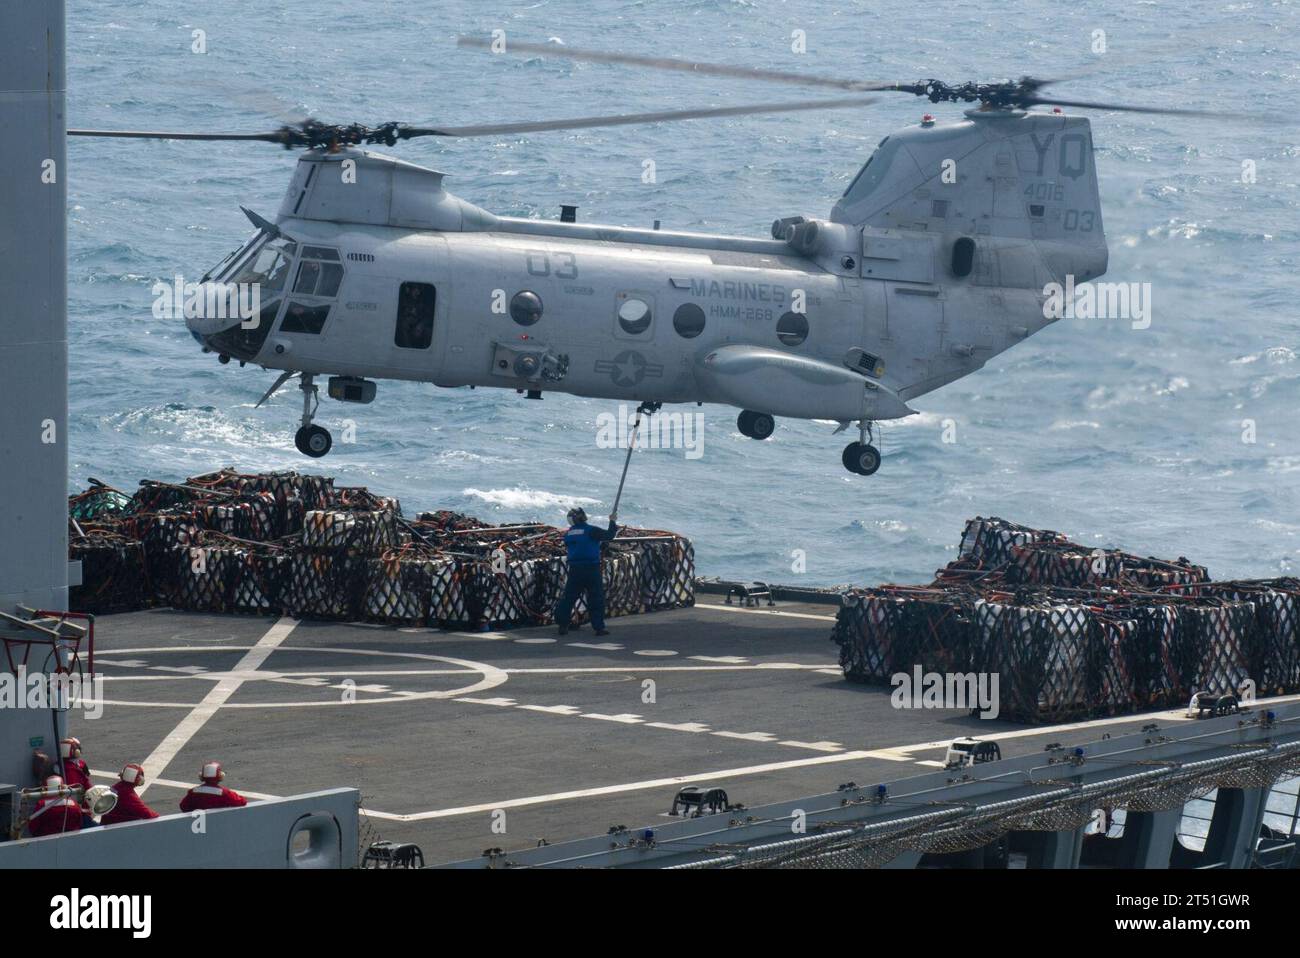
pixel 267 266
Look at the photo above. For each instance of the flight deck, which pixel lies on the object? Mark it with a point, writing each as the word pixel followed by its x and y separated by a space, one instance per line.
pixel 466 741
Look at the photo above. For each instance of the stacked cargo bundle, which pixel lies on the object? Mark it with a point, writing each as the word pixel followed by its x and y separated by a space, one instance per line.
pixel 299 545
pixel 1074 632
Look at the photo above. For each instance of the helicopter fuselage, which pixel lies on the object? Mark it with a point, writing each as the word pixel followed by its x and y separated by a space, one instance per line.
pixel 932 262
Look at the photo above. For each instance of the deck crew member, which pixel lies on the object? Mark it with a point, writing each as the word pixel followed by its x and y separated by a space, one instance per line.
pixel 57 813
pixel 130 807
pixel 75 769
pixel 211 794
pixel 583 544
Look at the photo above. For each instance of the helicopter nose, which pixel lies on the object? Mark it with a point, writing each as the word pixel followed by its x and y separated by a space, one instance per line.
pixel 214 308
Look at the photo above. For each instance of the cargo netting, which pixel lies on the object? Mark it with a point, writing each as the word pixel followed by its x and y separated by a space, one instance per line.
pixel 1075 632
pixel 285 543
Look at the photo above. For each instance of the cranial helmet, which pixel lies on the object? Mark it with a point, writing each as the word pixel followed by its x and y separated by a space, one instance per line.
pixel 212 773
pixel 133 774
pixel 577 516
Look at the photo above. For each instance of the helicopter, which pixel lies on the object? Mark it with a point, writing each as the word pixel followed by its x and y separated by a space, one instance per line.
pixel 934 259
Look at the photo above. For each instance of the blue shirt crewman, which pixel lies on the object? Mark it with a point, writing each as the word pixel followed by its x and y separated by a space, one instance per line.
pixel 583 544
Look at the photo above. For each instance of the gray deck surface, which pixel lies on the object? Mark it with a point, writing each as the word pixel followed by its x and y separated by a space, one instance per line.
pixel 447 731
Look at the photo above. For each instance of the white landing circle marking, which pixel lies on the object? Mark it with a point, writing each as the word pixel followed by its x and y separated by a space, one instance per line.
pixel 489 678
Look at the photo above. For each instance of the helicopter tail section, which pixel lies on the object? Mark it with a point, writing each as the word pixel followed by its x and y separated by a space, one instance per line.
pixel 1007 198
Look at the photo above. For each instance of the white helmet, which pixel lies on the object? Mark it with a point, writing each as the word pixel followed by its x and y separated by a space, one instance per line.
pixel 54 782
pixel 212 773
pixel 133 774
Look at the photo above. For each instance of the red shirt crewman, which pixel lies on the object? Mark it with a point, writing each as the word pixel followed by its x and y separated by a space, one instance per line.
pixel 130 807
pixel 211 794
pixel 58 812
pixel 75 770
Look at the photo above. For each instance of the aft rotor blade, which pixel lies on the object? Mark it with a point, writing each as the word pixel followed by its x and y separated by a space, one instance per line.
pixel 1130 108
pixel 277 137
pixel 627 119
pixel 674 64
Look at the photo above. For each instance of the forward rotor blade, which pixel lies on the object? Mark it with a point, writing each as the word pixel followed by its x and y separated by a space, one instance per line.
pixel 679 66
pixel 277 137
pixel 627 119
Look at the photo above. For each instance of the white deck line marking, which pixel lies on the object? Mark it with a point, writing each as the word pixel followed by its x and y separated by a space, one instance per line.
pixel 777 612
pixel 638 668
pixel 553 709
pixel 549 670
pixel 815 746
pixel 633 786
pixel 189 726
pixel 680 726
pixel 627 718
pixel 749 736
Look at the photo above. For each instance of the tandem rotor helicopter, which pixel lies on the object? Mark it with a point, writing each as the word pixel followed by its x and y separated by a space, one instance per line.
pixel 932 261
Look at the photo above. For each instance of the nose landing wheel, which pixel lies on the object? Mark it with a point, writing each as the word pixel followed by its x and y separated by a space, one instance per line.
pixel 755 425
pixel 313 441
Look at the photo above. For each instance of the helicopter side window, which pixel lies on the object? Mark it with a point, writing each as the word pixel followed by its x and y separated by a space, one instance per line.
pixel 303 318
pixel 331 275
pixel 415 304
pixel 792 329
pixel 308 273
pixel 319 273
pixel 634 315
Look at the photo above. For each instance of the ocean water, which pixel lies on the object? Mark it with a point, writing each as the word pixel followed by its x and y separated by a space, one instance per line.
pixel 1120 437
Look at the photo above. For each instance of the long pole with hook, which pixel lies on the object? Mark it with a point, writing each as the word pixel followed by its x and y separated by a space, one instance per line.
pixel 631 444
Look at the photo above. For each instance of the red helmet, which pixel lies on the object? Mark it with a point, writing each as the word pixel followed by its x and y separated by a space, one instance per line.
pixel 70 747
pixel 133 774
pixel 212 773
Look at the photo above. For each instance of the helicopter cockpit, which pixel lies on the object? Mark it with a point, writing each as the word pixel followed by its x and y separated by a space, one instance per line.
pixel 263 262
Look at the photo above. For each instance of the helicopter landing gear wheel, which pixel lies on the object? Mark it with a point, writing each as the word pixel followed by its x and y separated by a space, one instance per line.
pixel 313 441
pixel 755 425
pixel 862 458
